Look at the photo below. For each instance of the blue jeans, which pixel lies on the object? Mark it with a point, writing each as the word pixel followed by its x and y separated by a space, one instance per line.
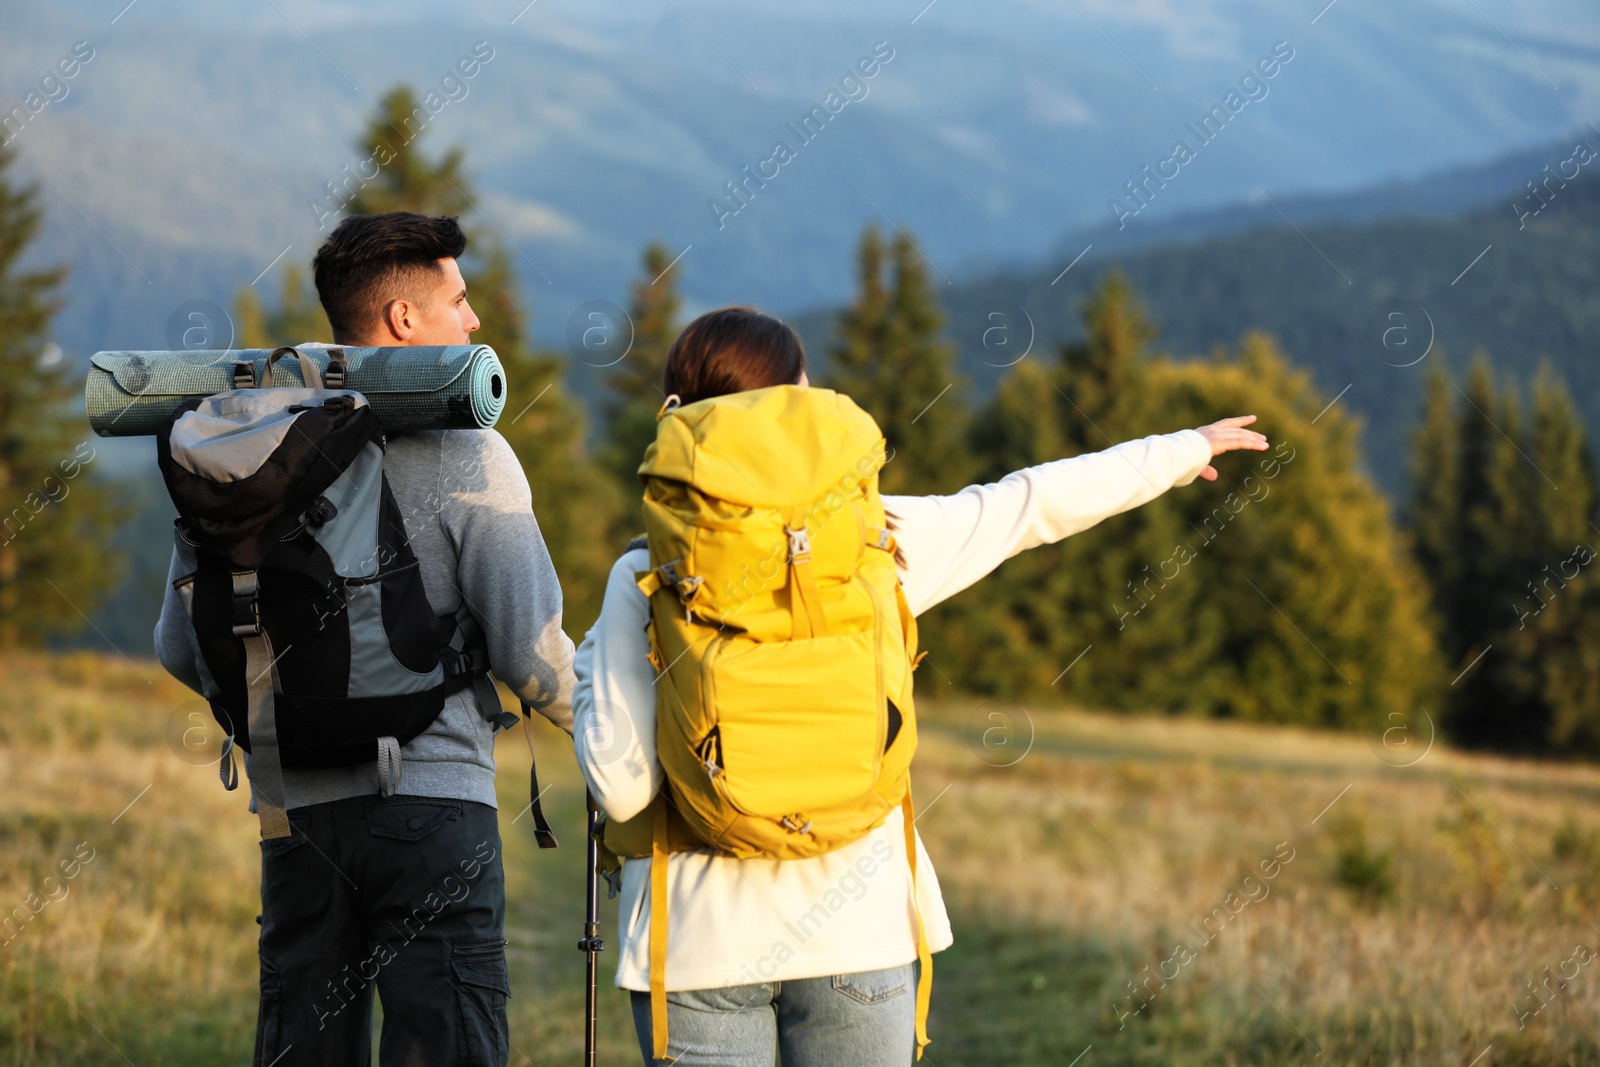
pixel 867 1019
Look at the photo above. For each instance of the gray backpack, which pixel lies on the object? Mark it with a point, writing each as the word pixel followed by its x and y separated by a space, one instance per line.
pixel 311 631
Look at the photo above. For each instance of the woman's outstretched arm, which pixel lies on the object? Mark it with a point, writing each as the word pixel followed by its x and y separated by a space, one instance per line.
pixel 950 542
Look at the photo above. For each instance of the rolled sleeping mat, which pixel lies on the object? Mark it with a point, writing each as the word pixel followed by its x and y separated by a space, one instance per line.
pixel 426 387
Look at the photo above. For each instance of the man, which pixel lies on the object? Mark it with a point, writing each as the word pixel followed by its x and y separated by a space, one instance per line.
pixel 405 892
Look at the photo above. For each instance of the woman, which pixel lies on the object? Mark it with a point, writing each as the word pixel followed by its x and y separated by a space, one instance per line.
pixel 816 957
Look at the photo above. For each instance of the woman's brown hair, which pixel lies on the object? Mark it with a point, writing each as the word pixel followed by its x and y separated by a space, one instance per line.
pixel 731 350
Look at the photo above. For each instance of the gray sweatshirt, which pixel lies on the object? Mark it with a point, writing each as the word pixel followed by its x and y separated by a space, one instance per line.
pixel 469 516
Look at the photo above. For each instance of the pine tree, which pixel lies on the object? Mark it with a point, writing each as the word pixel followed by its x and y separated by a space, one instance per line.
pixel 1564 493
pixel 1053 602
pixel 1432 512
pixel 1563 656
pixel 1491 546
pixel 56 556
pixel 863 334
pixel 577 507
pixel 889 358
pixel 635 382
pixel 407 180
pixel 1100 378
pixel 297 317
pixel 1505 534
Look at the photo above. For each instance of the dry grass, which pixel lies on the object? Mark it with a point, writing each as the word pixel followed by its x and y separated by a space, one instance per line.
pixel 153 940
pixel 1413 911
pixel 1408 921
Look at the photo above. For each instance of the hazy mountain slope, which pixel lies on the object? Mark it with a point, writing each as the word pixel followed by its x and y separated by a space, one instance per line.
pixel 198 135
pixel 1325 292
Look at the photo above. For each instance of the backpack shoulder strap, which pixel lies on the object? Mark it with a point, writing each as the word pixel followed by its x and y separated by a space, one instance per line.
pixel 265 766
pixel 464 655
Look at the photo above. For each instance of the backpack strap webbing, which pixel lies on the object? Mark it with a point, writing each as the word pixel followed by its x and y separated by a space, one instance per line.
pixel 805 599
pixel 464 655
pixel 310 376
pixel 225 766
pixel 266 768
pixel 658 930
pixel 542 833
pixel 908 814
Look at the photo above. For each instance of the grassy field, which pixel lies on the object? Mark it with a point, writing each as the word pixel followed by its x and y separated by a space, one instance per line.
pixel 1149 890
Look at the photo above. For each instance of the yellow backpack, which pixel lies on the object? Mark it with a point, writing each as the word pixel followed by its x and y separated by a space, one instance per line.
pixel 781 640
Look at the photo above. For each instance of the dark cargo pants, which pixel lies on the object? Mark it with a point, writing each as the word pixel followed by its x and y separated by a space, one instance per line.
pixel 405 894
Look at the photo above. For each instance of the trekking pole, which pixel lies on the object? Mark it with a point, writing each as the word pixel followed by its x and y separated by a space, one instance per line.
pixel 592 944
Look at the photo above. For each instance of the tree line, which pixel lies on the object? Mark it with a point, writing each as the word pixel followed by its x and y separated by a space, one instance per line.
pixel 1285 592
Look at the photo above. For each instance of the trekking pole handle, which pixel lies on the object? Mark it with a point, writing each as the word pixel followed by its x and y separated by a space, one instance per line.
pixel 591 941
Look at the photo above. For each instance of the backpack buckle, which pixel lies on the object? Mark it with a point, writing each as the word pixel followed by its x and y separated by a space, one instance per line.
pixel 320 512
pixel 246 617
pixel 686 586
pixel 799 544
pixel 334 377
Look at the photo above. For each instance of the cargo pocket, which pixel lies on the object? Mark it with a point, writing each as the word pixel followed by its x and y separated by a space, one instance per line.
pixel 269 1026
pixel 410 820
pixel 482 988
pixel 801 723
pixel 874 987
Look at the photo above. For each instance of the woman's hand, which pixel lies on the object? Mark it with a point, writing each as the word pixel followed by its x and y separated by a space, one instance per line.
pixel 1226 435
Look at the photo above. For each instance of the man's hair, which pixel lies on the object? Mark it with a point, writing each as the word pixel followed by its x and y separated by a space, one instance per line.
pixel 369 260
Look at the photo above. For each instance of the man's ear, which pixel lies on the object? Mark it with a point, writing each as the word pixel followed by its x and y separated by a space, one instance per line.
pixel 400 320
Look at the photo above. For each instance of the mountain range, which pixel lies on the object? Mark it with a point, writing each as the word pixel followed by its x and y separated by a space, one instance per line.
pixel 1380 161
pixel 186 159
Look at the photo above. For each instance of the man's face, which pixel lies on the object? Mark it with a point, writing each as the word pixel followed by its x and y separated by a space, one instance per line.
pixel 443 317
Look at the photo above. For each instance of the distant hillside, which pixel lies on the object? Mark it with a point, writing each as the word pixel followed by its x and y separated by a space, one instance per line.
pixel 194 140
pixel 1324 290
